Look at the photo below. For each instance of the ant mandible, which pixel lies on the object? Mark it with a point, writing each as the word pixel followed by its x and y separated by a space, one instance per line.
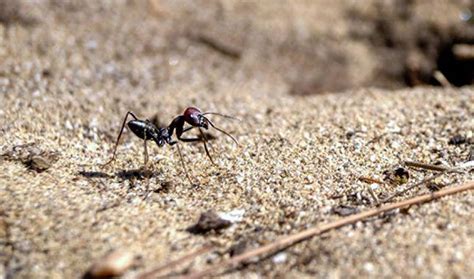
pixel 197 119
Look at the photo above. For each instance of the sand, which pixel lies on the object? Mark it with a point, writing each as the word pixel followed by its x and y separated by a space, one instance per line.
pixel 68 78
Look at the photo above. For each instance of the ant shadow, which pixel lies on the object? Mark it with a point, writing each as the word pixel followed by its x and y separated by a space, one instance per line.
pixel 132 174
pixel 138 174
pixel 143 189
pixel 94 174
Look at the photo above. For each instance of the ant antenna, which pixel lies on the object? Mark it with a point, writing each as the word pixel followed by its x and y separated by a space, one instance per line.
pixel 205 145
pixel 220 130
pixel 223 115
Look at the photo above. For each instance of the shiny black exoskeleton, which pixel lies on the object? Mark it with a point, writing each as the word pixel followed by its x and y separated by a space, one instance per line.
pixel 146 130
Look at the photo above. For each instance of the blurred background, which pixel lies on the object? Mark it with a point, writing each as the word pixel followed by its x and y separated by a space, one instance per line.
pixel 310 46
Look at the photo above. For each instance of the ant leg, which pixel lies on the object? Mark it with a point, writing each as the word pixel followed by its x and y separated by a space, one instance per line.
pixel 145 153
pixel 182 162
pixel 204 140
pixel 188 128
pixel 198 139
pixel 120 134
pixel 222 131
pixel 145 158
pixel 145 168
pixel 189 139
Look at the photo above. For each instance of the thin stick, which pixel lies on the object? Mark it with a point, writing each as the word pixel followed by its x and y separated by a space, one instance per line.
pixel 156 271
pixel 214 44
pixel 426 166
pixel 441 78
pixel 463 51
pixel 287 241
pixel 374 196
pixel 428 179
pixel 370 180
pixel 461 168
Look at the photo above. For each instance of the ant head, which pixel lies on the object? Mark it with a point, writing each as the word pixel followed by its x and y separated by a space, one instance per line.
pixel 193 116
pixel 162 137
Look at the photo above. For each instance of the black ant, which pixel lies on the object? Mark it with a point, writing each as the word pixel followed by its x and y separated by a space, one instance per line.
pixel 146 130
pixel 197 119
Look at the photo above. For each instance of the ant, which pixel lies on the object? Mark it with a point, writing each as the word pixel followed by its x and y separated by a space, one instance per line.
pixel 197 119
pixel 146 130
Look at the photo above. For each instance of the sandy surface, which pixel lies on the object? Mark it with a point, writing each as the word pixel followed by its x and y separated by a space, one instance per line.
pixel 67 80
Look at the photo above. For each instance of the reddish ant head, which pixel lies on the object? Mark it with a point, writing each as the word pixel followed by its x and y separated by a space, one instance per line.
pixel 193 116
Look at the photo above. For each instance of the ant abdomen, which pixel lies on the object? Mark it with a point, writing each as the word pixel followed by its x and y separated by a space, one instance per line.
pixel 142 129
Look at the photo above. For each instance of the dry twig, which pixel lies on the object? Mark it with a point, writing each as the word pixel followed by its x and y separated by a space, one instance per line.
pixel 426 166
pixel 287 241
pixel 373 195
pixel 463 51
pixel 379 137
pixel 221 47
pixel 441 78
pixel 370 180
pixel 165 267
pixel 443 170
pixel 426 180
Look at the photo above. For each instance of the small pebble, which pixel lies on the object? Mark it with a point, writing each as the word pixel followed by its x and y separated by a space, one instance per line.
pixel 233 216
pixel 457 140
pixel 208 221
pixel 38 163
pixel 280 258
pixel 369 267
pixel 113 264
pixel 238 248
pixel 344 210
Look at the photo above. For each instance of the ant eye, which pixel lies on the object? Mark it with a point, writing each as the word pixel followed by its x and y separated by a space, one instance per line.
pixel 202 120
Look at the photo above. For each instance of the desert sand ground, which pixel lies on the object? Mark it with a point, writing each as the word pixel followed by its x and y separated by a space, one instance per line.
pixel 70 70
